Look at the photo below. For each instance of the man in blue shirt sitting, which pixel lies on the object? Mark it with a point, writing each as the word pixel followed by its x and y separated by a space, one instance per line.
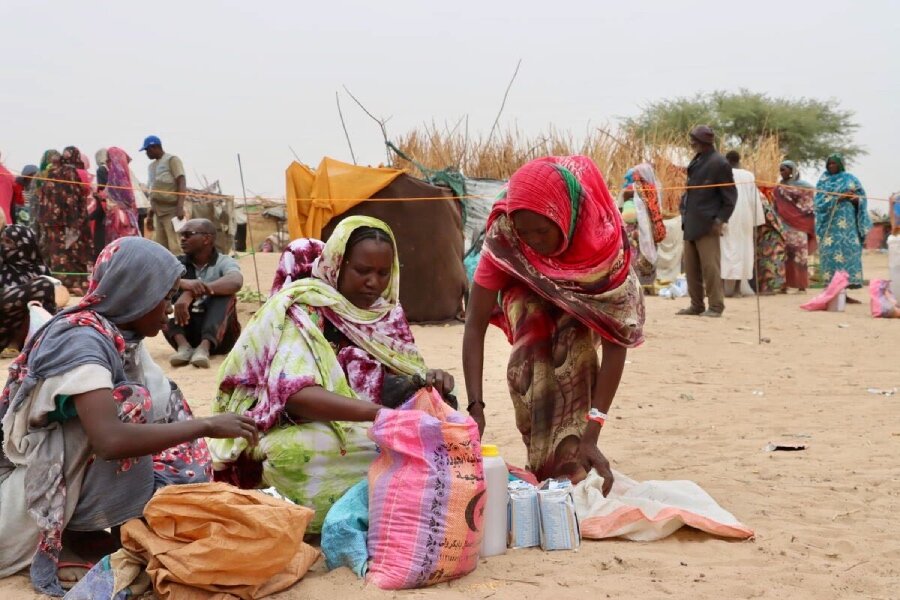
pixel 205 320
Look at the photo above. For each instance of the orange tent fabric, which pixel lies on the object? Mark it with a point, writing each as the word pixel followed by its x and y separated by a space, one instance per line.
pixel 316 197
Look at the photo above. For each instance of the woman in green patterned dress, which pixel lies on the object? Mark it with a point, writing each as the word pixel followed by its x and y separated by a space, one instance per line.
pixel 329 349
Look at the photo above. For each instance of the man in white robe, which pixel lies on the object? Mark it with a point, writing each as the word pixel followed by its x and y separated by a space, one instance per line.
pixel 738 244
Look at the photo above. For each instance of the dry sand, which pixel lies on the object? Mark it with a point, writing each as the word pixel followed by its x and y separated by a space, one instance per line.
pixel 699 401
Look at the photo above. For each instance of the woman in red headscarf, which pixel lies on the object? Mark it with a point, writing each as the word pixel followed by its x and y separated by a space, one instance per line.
pixel 555 275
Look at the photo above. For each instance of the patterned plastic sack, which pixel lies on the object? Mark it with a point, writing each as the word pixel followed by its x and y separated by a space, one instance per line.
pixel 882 301
pixel 839 282
pixel 426 495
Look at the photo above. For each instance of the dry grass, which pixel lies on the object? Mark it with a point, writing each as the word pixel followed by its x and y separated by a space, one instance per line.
pixel 763 160
pixel 614 151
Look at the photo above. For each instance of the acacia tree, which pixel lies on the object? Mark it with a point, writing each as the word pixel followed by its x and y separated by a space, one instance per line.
pixel 807 129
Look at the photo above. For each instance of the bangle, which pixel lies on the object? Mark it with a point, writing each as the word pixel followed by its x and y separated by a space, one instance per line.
pixel 597 416
pixel 471 404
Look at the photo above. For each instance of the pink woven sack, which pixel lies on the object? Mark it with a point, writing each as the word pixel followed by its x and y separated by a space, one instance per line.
pixel 840 281
pixel 426 495
pixel 882 301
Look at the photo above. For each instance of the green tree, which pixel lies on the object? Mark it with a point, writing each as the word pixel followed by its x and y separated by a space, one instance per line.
pixel 807 129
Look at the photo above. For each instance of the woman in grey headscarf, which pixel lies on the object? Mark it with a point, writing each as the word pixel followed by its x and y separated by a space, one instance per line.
pixel 91 426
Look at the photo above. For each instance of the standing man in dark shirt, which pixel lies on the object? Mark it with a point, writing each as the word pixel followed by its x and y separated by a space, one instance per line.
pixel 706 207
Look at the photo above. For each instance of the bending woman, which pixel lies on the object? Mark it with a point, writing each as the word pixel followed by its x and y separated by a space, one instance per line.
pixel 329 349
pixel 91 426
pixel 555 275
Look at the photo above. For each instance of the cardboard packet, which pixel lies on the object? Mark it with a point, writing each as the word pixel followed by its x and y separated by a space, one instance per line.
pixel 524 515
pixel 559 526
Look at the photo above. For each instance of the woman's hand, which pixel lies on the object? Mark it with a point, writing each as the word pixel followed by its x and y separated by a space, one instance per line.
pixel 476 411
pixel 441 380
pixel 231 425
pixel 590 457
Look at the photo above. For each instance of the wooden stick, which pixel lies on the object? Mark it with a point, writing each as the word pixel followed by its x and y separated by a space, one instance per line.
pixel 381 123
pixel 503 104
pixel 337 98
pixel 249 232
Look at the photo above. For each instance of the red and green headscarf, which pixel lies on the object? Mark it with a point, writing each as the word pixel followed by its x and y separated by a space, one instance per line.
pixel 590 275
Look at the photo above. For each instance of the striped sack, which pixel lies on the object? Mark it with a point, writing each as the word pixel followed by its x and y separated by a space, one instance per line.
pixel 426 494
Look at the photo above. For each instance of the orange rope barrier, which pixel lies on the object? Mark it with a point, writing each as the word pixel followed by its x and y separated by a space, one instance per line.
pixel 466 197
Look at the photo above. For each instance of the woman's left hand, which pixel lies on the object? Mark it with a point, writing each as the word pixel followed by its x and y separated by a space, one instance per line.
pixel 590 457
pixel 440 380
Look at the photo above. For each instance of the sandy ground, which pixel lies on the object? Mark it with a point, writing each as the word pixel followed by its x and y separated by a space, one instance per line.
pixel 699 401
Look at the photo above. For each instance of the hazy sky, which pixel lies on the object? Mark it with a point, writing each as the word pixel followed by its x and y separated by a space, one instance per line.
pixel 216 78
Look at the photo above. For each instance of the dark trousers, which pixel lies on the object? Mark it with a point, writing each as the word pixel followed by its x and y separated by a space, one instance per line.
pixel 218 323
pixel 142 216
pixel 703 270
pixel 99 241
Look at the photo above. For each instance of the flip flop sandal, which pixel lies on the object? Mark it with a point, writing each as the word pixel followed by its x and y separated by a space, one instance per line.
pixel 70 573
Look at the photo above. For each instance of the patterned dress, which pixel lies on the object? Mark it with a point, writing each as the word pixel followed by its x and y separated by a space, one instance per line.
pixel 121 210
pixel 551 374
pixel 842 222
pixel 770 253
pixel 21 281
pixel 793 201
pixel 65 225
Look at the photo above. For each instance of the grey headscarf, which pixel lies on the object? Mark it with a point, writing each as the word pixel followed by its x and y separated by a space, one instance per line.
pixel 131 276
pixel 795 172
pixel 794 179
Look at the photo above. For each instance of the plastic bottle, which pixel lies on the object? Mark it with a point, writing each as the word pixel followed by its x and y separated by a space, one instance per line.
pixel 496 478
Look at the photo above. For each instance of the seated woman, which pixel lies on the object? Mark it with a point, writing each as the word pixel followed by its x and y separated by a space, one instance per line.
pixel 24 278
pixel 316 363
pixel 556 276
pixel 91 426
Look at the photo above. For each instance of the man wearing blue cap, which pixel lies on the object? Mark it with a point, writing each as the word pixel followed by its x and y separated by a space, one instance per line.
pixel 167 193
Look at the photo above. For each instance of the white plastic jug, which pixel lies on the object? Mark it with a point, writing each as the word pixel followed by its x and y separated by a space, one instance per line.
pixel 894 263
pixel 838 303
pixel 496 478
